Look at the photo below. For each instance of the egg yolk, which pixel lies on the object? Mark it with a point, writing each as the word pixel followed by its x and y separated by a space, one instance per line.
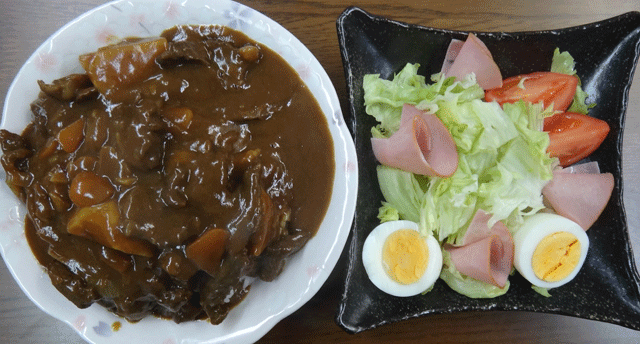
pixel 556 256
pixel 405 256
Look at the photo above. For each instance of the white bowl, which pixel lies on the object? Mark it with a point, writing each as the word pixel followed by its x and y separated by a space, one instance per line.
pixel 267 302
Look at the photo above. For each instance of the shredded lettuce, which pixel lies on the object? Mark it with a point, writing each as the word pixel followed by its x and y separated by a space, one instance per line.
pixel 388 212
pixel 450 203
pixel 502 168
pixel 579 102
pixel 475 125
pixel 383 99
pixel 564 63
pixel 540 290
pixel 523 167
pixel 403 192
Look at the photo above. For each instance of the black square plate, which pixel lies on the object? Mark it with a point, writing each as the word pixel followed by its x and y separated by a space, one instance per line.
pixel 606 53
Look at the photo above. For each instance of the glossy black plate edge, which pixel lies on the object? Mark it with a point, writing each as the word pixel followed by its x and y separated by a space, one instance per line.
pixel 351 121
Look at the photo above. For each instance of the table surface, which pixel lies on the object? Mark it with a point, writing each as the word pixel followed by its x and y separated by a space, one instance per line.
pixel 24 25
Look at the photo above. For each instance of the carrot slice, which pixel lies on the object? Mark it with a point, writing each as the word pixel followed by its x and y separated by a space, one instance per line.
pixel 71 136
pixel 99 223
pixel 206 251
pixel 49 148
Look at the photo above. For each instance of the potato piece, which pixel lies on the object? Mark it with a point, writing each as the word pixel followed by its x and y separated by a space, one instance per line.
pixel 50 147
pixel 57 176
pixel 99 223
pixel 206 252
pixel 120 64
pixel 71 136
pixel 87 189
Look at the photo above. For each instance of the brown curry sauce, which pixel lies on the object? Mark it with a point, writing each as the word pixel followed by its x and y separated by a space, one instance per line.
pixel 171 172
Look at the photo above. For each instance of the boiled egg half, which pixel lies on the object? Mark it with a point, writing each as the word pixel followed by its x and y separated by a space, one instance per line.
pixel 550 250
pixel 399 260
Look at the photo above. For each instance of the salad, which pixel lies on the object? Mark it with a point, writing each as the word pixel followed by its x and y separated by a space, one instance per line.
pixel 510 195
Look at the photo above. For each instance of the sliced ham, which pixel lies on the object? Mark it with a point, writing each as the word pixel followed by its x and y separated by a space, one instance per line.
pixel 422 145
pixel 580 197
pixel 472 57
pixel 452 53
pixel 587 167
pixel 486 254
pixel 478 228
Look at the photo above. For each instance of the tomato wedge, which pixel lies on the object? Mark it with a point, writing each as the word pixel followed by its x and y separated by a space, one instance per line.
pixel 574 136
pixel 548 87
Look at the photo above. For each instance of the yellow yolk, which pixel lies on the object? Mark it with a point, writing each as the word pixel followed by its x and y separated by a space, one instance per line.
pixel 556 256
pixel 405 256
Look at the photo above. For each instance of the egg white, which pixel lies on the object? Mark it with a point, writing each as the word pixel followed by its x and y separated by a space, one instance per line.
pixel 372 260
pixel 533 230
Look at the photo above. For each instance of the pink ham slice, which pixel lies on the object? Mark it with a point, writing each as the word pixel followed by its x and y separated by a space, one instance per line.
pixel 452 52
pixel 422 145
pixel 472 57
pixel 580 197
pixel 587 167
pixel 486 253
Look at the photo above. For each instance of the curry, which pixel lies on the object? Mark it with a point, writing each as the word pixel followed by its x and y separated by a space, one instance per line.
pixel 172 173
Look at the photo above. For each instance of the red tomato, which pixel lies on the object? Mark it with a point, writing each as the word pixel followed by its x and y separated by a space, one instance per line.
pixel 547 87
pixel 574 136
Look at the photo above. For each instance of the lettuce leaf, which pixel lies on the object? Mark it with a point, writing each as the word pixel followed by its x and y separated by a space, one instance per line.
pixel 579 104
pixel 403 192
pixel 563 63
pixel 475 125
pixel 502 168
pixel 383 99
pixel 450 203
pixel 540 290
pixel 388 212
pixel 514 187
